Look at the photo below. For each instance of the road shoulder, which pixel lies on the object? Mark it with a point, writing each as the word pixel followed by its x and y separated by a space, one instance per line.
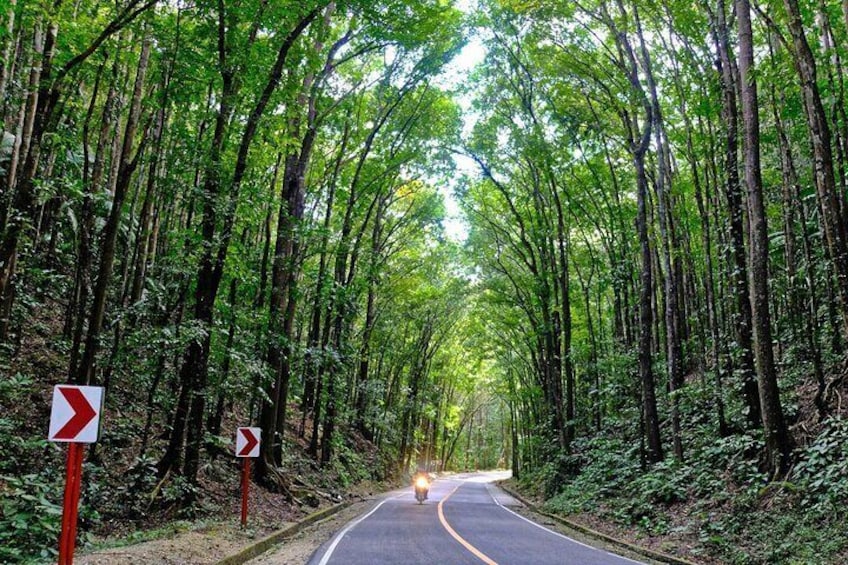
pixel 588 536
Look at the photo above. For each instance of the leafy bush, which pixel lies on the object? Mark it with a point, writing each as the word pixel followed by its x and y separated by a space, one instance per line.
pixel 611 481
pixel 29 522
pixel 135 491
pixel 177 490
pixel 732 458
pixel 778 535
pixel 665 483
pixel 349 465
pixel 821 471
pixel 24 444
pixel 609 468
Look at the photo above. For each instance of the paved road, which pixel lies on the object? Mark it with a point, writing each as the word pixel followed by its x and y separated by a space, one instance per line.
pixel 465 521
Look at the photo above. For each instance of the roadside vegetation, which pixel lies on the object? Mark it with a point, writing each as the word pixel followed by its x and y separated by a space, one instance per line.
pixel 659 230
pixel 226 214
pixel 234 213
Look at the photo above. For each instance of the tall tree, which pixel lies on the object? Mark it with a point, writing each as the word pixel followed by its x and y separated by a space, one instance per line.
pixel 217 198
pixel 774 425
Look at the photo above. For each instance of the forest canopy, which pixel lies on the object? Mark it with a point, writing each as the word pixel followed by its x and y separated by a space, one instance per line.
pixel 239 213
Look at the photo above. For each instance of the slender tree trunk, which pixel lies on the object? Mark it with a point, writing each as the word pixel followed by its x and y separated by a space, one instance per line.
pixel 792 205
pixel 266 247
pixel 778 443
pixel 741 321
pixel 639 139
pixel 143 247
pixel 78 303
pixel 830 201
pixel 362 397
pixel 562 241
pixel 6 64
pixel 670 248
pixel 128 164
pixel 654 452
pixel 217 416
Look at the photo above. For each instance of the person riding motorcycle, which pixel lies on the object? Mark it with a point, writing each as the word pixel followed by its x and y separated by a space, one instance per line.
pixel 421 480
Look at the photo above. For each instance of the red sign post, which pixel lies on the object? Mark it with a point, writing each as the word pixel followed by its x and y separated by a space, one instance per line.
pixel 247 446
pixel 74 419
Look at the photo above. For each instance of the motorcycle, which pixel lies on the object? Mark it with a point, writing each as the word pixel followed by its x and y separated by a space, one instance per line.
pixel 422 488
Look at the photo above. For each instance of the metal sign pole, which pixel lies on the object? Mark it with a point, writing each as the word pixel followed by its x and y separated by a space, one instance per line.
pixel 245 485
pixel 67 539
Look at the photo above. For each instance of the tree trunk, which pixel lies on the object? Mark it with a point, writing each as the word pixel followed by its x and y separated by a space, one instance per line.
pixel 670 248
pixel 741 321
pixel 830 201
pixel 777 439
pixel 639 139
pixel 217 416
pixel 794 204
pixel 128 164
pixel 361 389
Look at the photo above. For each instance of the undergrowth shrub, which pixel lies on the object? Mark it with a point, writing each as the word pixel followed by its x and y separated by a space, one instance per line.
pixel 349 466
pixel 821 472
pixel 609 466
pixel 611 481
pixel 138 488
pixel 737 515
pixel 780 534
pixel 29 521
pixel 30 500
pixel 725 467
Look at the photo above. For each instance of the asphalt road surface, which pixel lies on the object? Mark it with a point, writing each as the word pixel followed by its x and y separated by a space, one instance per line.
pixel 467 520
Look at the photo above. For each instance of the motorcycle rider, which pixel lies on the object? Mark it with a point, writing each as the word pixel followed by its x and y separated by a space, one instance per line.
pixel 421 473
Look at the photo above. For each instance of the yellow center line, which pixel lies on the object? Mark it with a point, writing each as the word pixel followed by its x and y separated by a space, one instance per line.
pixel 477 553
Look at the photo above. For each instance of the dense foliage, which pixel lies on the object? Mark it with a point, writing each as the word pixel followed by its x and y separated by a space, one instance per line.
pixel 659 227
pixel 225 213
pixel 233 213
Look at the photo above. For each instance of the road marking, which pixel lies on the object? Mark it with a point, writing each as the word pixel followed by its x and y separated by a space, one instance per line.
pixel 476 552
pixel 563 536
pixel 329 553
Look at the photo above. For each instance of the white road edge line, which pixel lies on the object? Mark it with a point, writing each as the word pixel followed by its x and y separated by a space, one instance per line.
pixel 329 553
pixel 541 527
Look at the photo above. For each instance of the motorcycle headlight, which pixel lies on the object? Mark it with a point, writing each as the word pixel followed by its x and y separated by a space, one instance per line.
pixel 421 482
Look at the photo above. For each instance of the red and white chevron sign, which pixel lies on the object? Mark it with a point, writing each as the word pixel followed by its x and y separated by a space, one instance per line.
pixel 75 415
pixel 247 442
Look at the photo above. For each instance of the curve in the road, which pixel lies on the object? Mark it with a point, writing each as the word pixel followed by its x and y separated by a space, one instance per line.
pixel 480 526
pixel 479 517
pixel 396 530
pixel 479 554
